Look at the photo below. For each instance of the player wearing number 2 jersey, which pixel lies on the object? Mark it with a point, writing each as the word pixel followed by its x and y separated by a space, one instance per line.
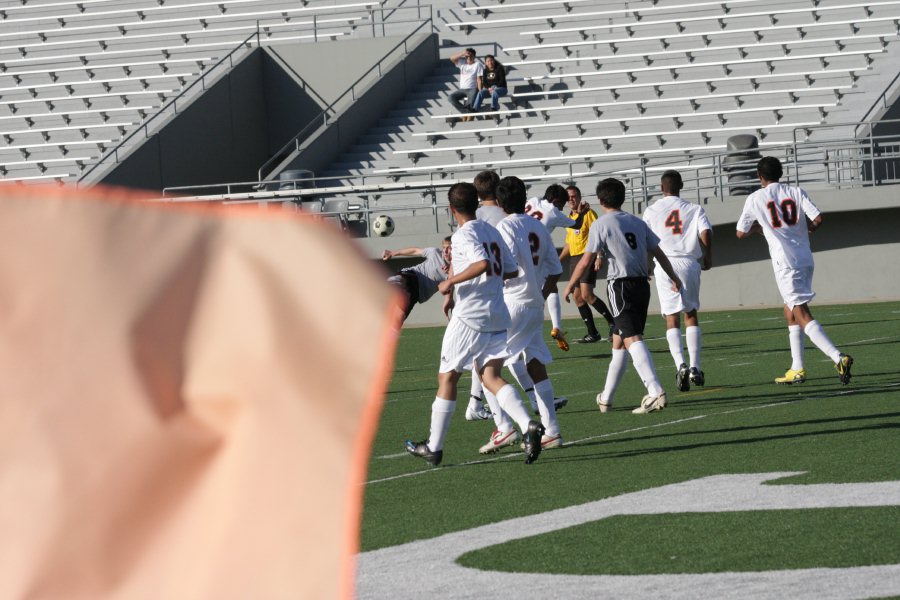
pixel 625 241
pixel 685 235
pixel 785 215
pixel 476 333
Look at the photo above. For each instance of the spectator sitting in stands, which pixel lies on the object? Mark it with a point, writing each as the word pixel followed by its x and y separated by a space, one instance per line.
pixel 470 70
pixel 493 82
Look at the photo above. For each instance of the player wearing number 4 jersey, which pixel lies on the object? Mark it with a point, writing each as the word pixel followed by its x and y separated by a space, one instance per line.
pixel 685 235
pixel 785 215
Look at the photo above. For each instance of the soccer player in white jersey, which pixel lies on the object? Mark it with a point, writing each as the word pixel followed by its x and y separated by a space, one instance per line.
pixel 785 215
pixel 548 210
pixel 476 333
pixel 539 269
pixel 626 242
pixel 685 235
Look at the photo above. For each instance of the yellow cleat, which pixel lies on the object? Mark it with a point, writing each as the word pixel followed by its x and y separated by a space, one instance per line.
pixel 560 338
pixel 792 377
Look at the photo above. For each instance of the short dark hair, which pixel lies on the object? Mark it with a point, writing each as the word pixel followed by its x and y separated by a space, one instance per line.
pixel 463 198
pixel 486 184
pixel 611 193
pixel 769 168
pixel 574 187
pixel 448 239
pixel 556 192
pixel 511 195
pixel 472 50
pixel 671 181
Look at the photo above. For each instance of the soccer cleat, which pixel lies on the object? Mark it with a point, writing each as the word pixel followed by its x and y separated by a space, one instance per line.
pixel 533 437
pixel 477 414
pixel 649 403
pixel 500 440
pixel 697 377
pixel 421 450
pixel 560 337
pixel 792 376
pixel 559 402
pixel 603 406
pixel 682 381
pixel 549 441
pixel 590 339
pixel 843 368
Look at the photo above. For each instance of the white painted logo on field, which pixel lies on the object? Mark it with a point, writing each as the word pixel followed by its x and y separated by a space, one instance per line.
pixel 428 569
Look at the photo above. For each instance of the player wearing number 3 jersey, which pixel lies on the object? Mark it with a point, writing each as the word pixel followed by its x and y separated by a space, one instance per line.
pixel 785 215
pixel 476 333
pixel 685 235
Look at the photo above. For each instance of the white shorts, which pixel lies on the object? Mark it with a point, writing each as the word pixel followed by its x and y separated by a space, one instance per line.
pixel 795 285
pixel 462 346
pixel 672 303
pixel 526 334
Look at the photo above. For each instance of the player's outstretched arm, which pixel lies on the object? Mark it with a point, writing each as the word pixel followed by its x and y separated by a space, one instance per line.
pixel 402 252
pixel 582 266
pixel 474 270
pixel 814 224
pixel 663 261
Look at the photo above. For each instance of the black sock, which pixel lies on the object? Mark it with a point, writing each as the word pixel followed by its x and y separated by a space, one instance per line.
pixel 588 317
pixel 600 307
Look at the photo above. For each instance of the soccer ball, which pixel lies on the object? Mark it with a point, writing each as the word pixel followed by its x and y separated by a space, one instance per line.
pixel 383 226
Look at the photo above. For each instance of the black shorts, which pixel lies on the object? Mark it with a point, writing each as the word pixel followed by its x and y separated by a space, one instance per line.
pixel 590 274
pixel 629 299
pixel 409 283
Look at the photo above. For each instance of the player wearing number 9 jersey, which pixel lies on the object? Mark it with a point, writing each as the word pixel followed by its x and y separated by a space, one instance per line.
pixel 785 215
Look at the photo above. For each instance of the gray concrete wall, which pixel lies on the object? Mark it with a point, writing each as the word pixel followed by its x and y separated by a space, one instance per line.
pixel 380 92
pixel 857 254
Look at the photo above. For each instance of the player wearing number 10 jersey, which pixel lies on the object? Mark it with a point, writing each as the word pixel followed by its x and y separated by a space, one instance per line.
pixel 785 215
pixel 685 235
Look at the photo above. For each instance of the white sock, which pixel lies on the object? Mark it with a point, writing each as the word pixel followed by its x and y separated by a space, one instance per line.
pixel 477 388
pixel 512 405
pixel 798 345
pixel 554 307
pixel 520 372
pixel 818 337
pixel 441 412
pixel 501 419
pixel 673 336
pixel 475 404
pixel 617 366
pixel 693 337
pixel 643 364
pixel 544 390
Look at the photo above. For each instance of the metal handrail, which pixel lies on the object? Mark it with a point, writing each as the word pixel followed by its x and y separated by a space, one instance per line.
pixel 321 119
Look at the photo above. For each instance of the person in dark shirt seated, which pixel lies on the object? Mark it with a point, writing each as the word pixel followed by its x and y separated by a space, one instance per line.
pixel 493 84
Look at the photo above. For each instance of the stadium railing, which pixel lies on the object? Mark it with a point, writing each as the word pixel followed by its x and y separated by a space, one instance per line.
pixel 835 160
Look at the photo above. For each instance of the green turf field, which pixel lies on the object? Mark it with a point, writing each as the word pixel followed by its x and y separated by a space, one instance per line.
pixel 741 422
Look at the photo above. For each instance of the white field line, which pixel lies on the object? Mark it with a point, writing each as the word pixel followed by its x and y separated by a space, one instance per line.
pixel 644 428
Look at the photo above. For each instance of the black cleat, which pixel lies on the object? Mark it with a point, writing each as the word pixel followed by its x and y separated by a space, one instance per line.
pixel 590 339
pixel 421 450
pixel 559 402
pixel 697 377
pixel 533 441
pixel 843 368
pixel 681 378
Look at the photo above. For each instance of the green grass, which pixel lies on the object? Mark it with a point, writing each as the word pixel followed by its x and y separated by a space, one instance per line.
pixel 740 422
pixel 707 543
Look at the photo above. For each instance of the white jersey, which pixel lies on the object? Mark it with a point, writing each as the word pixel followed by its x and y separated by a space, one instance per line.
pixel 490 213
pixel 677 223
pixel 548 214
pixel 781 211
pixel 479 301
pixel 530 244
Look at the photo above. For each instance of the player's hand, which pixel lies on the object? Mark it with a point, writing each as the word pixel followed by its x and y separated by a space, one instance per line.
pixel 707 264
pixel 567 293
pixel 386 255
pixel 445 287
pixel 448 306
pixel 676 284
